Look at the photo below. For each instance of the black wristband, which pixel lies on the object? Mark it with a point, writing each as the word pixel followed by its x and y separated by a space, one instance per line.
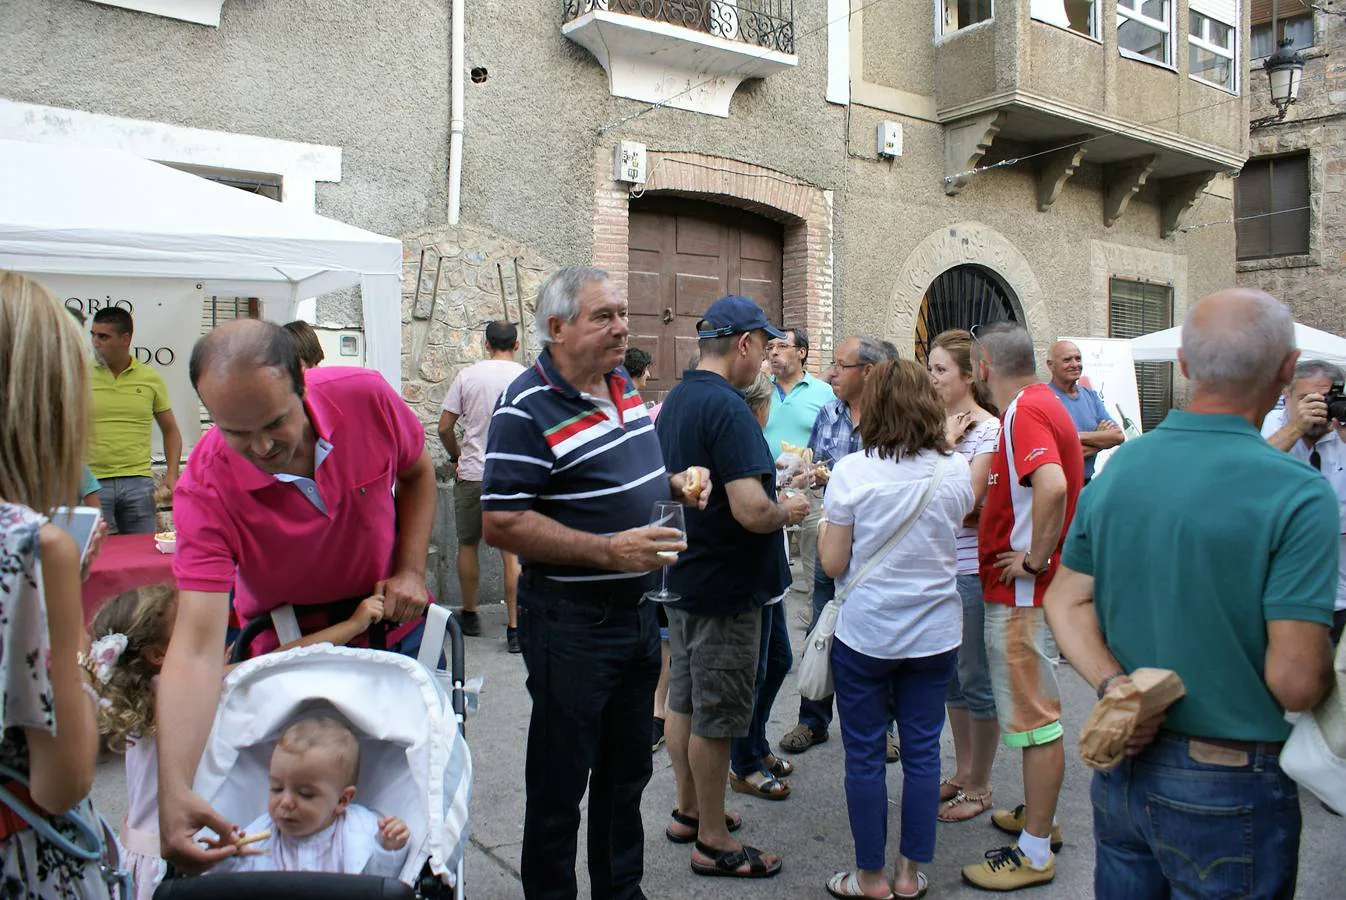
pixel 1107 683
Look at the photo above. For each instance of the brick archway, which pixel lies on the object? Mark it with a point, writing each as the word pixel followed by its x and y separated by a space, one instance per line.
pixel 804 210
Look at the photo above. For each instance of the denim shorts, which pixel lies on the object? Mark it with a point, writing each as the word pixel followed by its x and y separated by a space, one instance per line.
pixel 1023 676
pixel 970 688
pixel 712 671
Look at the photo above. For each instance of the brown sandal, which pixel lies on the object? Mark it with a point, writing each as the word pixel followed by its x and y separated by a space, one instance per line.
pixel 948 789
pixel 769 788
pixel 981 802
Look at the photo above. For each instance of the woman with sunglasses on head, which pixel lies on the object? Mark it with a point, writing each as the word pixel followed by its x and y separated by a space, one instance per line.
pixel 973 429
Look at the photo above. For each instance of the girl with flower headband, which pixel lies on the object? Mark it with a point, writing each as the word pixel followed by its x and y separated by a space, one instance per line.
pixel 131 634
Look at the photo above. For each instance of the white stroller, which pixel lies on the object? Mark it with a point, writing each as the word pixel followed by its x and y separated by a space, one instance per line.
pixel 415 762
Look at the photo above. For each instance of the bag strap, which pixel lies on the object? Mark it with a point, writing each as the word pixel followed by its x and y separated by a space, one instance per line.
pixel 937 476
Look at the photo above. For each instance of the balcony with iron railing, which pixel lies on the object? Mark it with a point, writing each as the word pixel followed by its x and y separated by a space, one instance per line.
pixel 709 47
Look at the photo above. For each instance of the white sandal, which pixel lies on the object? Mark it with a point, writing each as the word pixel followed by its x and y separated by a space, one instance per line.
pixel 845 885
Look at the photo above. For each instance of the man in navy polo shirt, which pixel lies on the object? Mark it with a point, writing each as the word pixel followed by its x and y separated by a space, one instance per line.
pixel 573 471
pixel 734 564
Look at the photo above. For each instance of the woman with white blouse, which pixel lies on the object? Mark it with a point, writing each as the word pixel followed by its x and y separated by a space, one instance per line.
pixel 899 628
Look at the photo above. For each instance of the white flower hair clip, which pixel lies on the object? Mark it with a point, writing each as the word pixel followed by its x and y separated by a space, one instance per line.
pixel 103 656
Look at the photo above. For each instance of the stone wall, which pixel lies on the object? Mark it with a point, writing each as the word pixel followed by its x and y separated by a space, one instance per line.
pixel 454 281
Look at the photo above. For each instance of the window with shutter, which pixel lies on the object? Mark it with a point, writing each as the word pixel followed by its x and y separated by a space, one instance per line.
pixel 1140 307
pixel 1271 207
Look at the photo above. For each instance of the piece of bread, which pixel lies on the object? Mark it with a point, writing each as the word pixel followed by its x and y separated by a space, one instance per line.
pixel 252 838
pixel 691 480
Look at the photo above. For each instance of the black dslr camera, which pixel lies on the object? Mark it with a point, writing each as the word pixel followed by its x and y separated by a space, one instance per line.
pixel 1336 402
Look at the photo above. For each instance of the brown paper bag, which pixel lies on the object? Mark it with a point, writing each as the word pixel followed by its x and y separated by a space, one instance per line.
pixel 1114 718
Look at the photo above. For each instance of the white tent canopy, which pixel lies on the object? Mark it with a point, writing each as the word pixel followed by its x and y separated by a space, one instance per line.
pixel 73 211
pixel 1162 346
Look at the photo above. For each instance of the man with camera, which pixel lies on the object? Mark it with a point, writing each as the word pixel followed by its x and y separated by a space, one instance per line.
pixel 1311 427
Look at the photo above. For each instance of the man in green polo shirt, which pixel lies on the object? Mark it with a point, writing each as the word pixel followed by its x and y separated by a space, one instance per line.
pixel 795 403
pixel 127 396
pixel 1205 550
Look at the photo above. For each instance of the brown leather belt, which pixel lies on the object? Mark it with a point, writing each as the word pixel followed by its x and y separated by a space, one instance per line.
pixel 1268 747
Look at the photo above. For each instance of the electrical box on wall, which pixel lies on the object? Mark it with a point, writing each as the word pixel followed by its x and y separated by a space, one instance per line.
pixel 629 162
pixel 341 346
pixel 889 139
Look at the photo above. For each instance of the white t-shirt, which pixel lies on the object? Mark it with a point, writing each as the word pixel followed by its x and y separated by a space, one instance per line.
pixel 908 605
pixel 979 440
pixel 472 398
pixel 1332 463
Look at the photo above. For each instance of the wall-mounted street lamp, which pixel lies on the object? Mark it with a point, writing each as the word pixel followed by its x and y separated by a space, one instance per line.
pixel 1285 71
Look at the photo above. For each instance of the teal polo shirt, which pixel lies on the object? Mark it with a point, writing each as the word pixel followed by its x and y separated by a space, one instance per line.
pixel 792 413
pixel 1197 534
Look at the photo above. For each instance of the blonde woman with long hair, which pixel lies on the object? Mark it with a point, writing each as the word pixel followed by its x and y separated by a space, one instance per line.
pixel 50 736
pixel 973 430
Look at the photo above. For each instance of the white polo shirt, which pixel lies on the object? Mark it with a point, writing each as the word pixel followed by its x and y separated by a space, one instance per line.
pixel 1332 463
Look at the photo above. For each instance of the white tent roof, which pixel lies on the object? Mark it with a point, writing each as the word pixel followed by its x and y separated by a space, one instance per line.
pixel 1162 346
pixel 69 210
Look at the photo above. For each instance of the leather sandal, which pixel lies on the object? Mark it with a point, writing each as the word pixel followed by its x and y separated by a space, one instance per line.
pixel 982 802
pixel 948 789
pixel 769 788
pixel 731 823
pixel 727 863
pixel 781 768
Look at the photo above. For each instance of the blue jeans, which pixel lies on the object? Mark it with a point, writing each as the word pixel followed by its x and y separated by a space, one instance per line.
pixel 868 691
pixel 1168 826
pixel 593 663
pixel 128 504
pixel 970 687
pixel 774 658
pixel 817 714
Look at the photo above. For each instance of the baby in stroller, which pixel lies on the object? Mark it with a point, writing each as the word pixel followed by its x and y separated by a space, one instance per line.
pixel 312 823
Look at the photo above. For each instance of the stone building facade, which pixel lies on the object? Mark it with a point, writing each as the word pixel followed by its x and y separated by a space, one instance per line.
pixel 1300 162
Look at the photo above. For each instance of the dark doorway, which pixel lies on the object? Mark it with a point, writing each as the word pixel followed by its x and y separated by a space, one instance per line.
pixel 962 297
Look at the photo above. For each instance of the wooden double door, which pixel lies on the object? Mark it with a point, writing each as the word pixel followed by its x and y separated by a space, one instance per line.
pixel 684 255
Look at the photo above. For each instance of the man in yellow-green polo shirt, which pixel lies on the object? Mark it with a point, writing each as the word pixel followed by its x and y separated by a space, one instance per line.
pixel 127 396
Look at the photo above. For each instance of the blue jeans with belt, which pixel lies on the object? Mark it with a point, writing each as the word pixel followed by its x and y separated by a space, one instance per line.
pixel 774 658
pixel 1168 826
pixel 592 652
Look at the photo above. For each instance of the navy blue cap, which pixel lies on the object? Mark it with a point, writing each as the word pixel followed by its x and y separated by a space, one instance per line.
pixel 735 315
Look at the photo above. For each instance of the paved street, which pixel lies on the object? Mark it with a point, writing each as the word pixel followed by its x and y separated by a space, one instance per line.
pixel 809 829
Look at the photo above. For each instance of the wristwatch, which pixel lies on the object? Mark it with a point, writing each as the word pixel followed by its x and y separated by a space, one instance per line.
pixel 1027 566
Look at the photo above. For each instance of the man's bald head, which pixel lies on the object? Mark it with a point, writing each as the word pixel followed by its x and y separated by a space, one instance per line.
pixel 1066 364
pixel 243 346
pixel 1237 339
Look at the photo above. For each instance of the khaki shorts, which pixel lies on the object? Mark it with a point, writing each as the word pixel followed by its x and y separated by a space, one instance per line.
pixel 467 511
pixel 713 670
pixel 1023 676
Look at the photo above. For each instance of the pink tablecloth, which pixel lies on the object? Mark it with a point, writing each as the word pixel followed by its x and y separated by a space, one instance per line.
pixel 125 562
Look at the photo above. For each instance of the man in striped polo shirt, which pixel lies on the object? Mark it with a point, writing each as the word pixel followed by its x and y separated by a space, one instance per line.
pixel 573 470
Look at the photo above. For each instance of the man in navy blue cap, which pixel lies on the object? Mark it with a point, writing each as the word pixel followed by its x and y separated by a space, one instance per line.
pixel 734 564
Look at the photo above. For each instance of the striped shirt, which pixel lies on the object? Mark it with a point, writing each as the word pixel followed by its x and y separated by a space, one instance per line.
pixel 589 463
pixel 981 439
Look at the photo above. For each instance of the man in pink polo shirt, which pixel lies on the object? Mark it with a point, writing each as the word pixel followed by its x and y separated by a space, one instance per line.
pixel 312 488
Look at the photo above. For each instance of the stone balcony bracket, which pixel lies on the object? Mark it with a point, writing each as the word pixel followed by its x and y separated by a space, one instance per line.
pixel 672 65
pixel 965 143
pixel 1055 169
pixel 1178 196
pixel 1122 181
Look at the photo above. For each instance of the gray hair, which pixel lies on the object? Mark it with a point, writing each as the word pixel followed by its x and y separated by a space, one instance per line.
pixel 758 394
pixel 1010 348
pixel 1318 368
pixel 559 297
pixel 872 351
pixel 1220 354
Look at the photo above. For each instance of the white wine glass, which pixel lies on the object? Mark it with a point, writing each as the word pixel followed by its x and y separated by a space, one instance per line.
pixel 667 514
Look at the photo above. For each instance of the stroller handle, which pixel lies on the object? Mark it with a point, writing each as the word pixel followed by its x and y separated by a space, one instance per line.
pixel 284 886
pixel 378 637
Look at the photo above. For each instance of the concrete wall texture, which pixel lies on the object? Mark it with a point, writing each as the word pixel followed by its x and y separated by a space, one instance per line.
pixel 371 77
pixel 1313 284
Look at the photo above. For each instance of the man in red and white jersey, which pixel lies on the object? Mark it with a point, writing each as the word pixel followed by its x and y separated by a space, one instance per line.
pixel 1036 476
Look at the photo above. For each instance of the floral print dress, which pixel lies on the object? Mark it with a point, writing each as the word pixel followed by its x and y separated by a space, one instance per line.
pixel 31 867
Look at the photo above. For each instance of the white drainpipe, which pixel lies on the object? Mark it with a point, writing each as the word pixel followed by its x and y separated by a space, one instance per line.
pixel 456 112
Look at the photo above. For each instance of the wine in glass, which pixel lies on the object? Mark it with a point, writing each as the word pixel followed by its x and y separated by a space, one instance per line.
pixel 667 514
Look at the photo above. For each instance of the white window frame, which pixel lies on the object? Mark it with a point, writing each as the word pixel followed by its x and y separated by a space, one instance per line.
pixel 1229 53
pixel 942 32
pixel 1166 28
pixel 1096 27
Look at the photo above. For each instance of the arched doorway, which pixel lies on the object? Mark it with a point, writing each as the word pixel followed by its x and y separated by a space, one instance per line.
pixel 962 297
pixel 683 255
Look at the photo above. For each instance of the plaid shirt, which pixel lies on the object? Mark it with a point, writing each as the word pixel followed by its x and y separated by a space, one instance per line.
pixel 833 435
